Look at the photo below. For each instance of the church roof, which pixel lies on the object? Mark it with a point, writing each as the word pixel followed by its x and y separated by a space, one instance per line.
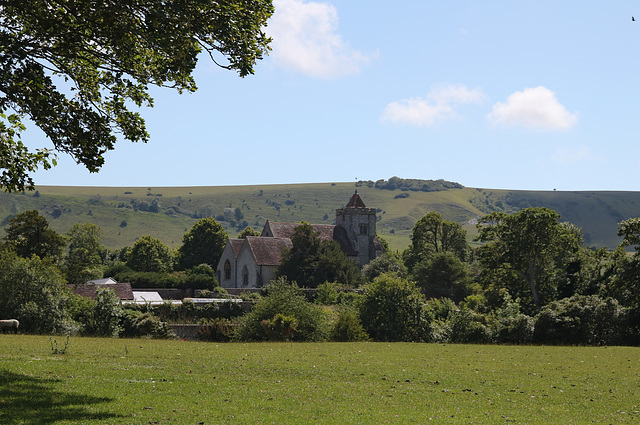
pixel 267 251
pixel 286 230
pixel 236 244
pixel 356 201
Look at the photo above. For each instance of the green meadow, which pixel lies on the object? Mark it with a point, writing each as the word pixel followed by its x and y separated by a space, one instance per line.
pixel 140 381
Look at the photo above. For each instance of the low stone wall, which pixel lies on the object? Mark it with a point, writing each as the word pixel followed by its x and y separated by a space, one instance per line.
pixel 185 331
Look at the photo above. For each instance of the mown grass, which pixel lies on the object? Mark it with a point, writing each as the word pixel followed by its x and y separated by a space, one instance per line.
pixel 119 381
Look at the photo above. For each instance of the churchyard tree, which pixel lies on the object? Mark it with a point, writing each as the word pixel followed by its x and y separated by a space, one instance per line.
pixel 312 261
pixel 149 254
pixel 202 244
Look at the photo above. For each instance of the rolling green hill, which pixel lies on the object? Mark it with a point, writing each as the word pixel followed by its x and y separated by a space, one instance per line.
pixel 167 213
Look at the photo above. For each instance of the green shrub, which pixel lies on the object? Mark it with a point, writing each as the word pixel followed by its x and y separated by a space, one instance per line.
pixel 588 320
pixel 283 297
pixel 392 309
pixel 511 326
pixel 217 330
pixel 348 328
pixel 326 294
pixel 135 323
pixel 280 328
pixel 107 312
pixel 34 292
pixel 468 327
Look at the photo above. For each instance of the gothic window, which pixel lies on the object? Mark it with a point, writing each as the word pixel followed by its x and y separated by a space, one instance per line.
pixel 245 276
pixel 227 270
pixel 363 229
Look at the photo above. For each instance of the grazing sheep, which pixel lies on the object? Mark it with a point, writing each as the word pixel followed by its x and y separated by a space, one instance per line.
pixel 9 324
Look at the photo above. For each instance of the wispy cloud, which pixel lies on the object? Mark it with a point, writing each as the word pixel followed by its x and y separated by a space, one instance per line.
pixel 306 39
pixel 536 108
pixel 438 106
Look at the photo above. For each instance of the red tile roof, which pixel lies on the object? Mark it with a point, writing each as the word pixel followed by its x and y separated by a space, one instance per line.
pixel 356 201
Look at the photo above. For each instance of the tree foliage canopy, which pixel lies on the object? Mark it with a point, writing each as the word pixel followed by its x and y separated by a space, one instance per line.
pixel 202 244
pixel 76 68
pixel 434 235
pixel 530 246
pixel 149 254
pixel 312 261
pixel 28 233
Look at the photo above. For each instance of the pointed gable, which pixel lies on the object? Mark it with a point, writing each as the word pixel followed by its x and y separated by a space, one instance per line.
pixel 356 201
pixel 236 244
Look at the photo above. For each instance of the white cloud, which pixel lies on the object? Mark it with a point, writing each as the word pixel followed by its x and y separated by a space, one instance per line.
pixel 438 106
pixel 306 39
pixel 572 156
pixel 533 108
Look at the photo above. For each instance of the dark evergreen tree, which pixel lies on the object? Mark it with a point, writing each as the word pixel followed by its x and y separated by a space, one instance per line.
pixel 311 261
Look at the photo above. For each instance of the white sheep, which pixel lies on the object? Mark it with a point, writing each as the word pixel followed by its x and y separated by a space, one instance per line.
pixel 9 324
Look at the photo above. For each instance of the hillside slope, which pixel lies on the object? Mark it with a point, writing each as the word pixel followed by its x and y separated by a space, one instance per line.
pixel 167 213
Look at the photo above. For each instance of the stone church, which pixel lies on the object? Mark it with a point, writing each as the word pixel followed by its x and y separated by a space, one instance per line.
pixel 252 262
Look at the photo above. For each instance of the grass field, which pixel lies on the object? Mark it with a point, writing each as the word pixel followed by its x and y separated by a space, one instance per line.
pixel 131 381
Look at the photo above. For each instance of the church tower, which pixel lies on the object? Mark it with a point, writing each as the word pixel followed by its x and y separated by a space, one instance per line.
pixel 360 225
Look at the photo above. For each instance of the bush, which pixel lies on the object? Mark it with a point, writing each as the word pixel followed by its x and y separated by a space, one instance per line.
pixel 510 325
pixel 216 330
pixel 283 297
pixel 106 313
pixel 386 263
pixel 392 309
pixel 584 320
pixel 467 326
pixel 34 292
pixel 134 323
pixel 348 328
pixel 327 294
pixel 280 328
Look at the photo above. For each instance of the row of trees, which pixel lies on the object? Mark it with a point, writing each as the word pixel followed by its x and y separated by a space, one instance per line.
pixel 532 279
pixel 80 256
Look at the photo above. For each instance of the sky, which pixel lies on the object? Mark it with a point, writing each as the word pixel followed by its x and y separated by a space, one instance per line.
pixel 501 94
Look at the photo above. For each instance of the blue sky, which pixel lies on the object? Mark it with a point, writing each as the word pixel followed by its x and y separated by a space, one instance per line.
pixel 511 94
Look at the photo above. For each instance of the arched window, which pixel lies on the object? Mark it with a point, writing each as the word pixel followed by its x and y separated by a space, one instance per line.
pixel 245 276
pixel 227 270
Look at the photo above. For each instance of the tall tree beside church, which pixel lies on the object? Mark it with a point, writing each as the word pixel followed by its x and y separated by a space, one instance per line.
pixel 434 235
pixel 28 233
pixel 75 68
pixel 312 261
pixel 527 252
pixel 149 254
pixel 202 244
